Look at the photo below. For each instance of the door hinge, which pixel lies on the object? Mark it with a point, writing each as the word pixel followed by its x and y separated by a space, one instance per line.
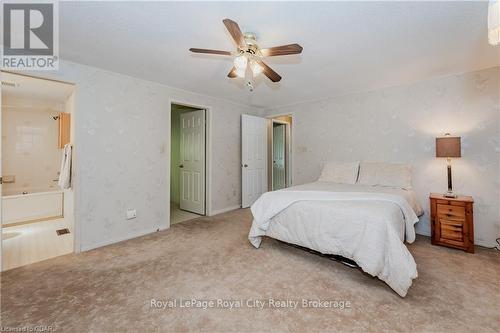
pixel 1 180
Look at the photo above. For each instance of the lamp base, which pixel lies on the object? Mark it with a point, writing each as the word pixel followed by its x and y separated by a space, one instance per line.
pixel 449 195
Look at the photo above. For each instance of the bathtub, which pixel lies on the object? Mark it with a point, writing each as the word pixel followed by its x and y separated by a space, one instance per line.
pixel 22 208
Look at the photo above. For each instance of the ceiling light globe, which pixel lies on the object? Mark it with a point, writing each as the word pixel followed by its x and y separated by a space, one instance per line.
pixel 240 72
pixel 240 62
pixel 256 68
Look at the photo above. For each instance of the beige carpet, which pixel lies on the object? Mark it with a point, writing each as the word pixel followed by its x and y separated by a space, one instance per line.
pixel 110 289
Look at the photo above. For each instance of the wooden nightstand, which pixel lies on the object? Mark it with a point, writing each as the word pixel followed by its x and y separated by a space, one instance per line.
pixel 452 222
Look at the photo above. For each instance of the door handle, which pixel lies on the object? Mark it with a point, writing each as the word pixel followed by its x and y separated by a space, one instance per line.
pixel 245 165
pixel 181 166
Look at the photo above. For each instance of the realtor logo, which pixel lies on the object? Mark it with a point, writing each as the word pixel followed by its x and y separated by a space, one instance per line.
pixel 30 35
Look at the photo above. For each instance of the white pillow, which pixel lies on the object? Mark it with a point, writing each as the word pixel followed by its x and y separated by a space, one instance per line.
pixel 340 172
pixel 385 174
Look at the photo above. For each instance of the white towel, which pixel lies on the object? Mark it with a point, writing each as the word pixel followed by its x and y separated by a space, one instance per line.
pixel 65 174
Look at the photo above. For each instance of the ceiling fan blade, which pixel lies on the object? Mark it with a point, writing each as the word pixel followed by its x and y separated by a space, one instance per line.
pixel 281 50
pixel 269 72
pixel 232 73
pixel 235 32
pixel 195 50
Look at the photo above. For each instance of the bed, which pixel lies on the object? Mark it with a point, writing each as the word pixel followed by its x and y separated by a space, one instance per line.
pixel 360 218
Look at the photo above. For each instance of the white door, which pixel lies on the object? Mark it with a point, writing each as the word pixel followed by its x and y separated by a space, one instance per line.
pixel 279 176
pixel 253 158
pixel 1 186
pixel 192 162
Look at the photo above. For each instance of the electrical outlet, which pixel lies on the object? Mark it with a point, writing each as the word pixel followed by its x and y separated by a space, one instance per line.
pixel 131 214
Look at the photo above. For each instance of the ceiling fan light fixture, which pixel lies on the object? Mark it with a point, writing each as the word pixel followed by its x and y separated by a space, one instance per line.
pixel 240 72
pixel 256 68
pixel 240 62
pixel 248 61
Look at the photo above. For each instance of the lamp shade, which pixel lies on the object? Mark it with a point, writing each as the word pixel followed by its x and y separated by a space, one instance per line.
pixel 448 146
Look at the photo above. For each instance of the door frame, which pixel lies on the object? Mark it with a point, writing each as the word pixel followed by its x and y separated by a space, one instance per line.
pixel 208 151
pixel 288 148
pixel 74 162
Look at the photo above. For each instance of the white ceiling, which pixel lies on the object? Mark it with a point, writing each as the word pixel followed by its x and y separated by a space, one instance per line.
pixel 348 46
pixel 27 89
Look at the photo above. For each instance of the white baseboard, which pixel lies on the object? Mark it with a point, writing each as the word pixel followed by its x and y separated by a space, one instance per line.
pixel 120 239
pixel 215 212
pixel 224 210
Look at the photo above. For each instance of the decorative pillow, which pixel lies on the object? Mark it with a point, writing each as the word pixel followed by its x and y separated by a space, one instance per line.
pixel 385 174
pixel 340 172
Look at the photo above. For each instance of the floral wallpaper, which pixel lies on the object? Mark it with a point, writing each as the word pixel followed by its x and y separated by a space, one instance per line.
pixel 399 124
pixel 122 144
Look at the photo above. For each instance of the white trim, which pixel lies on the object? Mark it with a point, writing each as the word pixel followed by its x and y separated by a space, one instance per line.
pixel 120 239
pixel 224 210
pixel 277 121
pixel 75 170
pixel 280 114
pixel 208 152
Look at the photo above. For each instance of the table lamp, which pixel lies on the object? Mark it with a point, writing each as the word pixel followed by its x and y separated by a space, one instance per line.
pixel 448 147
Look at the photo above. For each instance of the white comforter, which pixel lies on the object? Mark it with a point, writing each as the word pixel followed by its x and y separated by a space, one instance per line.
pixel 367 224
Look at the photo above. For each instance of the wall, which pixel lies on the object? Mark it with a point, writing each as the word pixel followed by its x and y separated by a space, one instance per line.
pixel 29 145
pixel 399 124
pixel 122 147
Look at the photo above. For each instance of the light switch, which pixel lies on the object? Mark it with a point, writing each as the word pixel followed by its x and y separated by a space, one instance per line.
pixel 8 179
pixel 131 214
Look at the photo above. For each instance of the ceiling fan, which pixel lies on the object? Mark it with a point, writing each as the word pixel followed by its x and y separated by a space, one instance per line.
pixel 248 56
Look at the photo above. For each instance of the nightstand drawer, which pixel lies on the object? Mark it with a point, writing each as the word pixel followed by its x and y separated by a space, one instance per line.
pixel 451 212
pixel 450 202
pixel 452 230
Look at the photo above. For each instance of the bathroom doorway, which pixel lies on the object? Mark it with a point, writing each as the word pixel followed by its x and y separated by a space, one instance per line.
pixel 37 218
pixel 187 163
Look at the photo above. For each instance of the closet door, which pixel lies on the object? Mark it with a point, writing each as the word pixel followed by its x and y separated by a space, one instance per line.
pixel 192 162
pixel 253 158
